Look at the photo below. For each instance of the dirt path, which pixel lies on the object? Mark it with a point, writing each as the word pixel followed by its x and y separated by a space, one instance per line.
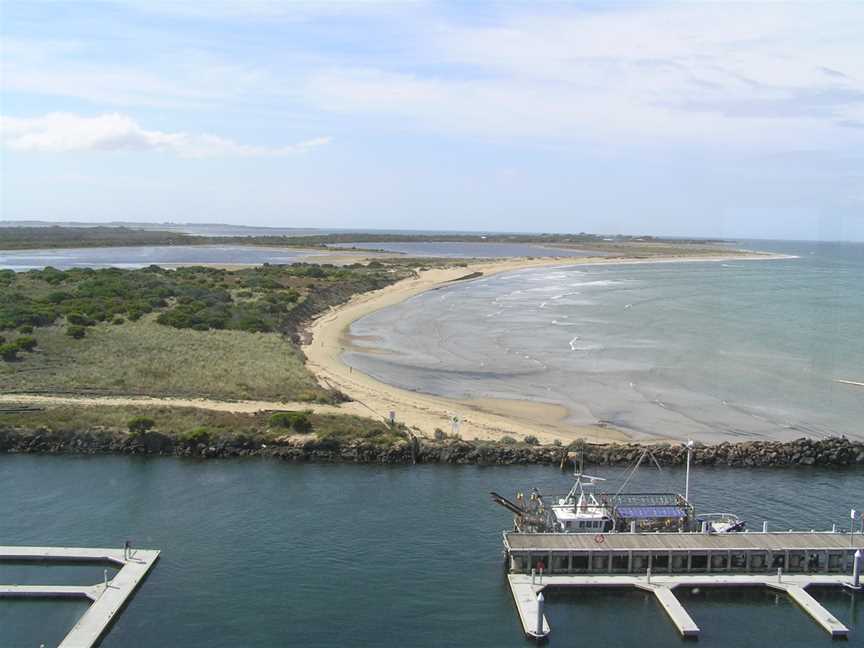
pixel 241 407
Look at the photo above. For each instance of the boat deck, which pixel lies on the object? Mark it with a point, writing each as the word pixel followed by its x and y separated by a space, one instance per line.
pixel 774 542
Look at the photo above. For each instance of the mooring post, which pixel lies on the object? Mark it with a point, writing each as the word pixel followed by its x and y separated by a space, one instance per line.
pixel 533 571
pixel 834 528
pixel 765 526
pixel 779 574
pixel 540 614
pixel 105 575
pixel 648 574
pixel 856 570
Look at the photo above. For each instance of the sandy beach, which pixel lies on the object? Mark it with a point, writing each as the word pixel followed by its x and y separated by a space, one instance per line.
pixel 481 419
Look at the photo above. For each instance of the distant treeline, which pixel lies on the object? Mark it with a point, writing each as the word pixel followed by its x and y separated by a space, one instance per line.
pixel 22 238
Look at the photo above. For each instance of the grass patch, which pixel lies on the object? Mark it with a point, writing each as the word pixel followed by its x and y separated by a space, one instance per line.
pixel 147 358
pixel 192 425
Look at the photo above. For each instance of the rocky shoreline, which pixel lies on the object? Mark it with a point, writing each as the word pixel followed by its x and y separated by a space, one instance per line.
pixel 801 452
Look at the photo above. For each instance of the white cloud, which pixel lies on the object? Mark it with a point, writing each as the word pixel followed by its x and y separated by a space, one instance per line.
pixel 742 75
pixel 65 132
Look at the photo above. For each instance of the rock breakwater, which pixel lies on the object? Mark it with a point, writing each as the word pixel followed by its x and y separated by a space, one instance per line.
pixel 800 452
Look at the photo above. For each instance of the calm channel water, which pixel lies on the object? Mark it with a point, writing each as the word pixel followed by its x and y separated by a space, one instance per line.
pixel 263 553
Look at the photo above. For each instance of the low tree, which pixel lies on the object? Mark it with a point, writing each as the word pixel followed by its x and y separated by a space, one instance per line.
pixel 298 421
pixel 26 343
pixel 76 331
pixel 140 424
pixel 9 352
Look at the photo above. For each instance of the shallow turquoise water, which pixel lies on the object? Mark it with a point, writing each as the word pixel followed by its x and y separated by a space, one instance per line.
pixel 733 351
pixel 263 553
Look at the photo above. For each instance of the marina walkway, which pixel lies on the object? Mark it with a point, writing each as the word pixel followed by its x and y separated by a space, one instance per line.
pixel 525 589
pixel 108 599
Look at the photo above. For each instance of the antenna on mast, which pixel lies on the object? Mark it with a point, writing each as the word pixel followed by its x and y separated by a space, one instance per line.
pixel 689 446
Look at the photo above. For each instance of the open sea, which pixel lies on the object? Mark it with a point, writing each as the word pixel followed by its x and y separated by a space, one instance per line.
pixel 263 553
pixel 738 350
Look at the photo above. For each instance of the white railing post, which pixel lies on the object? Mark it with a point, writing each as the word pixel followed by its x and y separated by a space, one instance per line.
pixel 540 614
pixel 856 570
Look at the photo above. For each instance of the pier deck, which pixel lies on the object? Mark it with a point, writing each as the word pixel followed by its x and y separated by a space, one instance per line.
pixel 525 594
pixel 107 601
pixel 659 562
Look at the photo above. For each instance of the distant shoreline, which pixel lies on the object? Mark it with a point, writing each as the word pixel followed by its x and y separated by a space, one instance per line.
pixel 484 419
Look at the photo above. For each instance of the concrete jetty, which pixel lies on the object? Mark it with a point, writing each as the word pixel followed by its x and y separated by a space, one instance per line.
pixel 525 595
pixel 660 562
pixel 108 597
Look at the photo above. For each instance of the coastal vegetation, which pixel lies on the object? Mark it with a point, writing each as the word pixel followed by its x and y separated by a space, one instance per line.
pixel 195 332
pixel 21 238
pixel 190 426
pixel 187 431
pixel 56 236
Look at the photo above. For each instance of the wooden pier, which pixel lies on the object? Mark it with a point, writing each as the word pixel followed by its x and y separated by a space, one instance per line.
pixel 659 562
pixel 108 597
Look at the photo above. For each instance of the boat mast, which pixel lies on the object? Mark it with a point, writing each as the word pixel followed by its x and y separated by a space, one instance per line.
pixel 689 446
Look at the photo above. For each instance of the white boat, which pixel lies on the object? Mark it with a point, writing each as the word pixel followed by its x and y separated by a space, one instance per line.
pixel 582 510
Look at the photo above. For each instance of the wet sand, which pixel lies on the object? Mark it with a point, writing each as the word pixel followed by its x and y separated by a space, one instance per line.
pixel 481 419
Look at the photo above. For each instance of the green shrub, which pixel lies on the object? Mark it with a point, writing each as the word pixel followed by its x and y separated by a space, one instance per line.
pixel 9 352
pixel 75 331
pixel 79 319
pixel 532 440
pixel 298 421
pixel 196 436
pixel 26 343
pixel 118 320
pixel 140 424
pixel 26 329
pixel 508 440
pixel 2 340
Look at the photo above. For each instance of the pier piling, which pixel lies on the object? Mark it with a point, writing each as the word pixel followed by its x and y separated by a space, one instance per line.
pixel 856 571
pixel 540 601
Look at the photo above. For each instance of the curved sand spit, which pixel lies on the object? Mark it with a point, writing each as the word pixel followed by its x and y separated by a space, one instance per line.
pixel 482 419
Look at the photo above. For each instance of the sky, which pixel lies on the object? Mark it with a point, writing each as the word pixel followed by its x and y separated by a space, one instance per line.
pixel 701 119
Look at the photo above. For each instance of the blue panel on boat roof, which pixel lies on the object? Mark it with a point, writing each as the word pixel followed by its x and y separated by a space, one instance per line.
pixel 644 512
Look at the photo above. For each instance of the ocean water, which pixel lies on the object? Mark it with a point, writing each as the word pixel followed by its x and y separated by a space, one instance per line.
pixel 260 553
pixel 457 249
pixel 736 350
pixel 143 256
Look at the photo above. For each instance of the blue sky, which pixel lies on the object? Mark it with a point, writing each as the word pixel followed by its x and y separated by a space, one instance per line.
pixel 691 119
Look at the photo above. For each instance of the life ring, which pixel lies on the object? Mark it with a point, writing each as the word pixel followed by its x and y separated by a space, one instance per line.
pixel 599 538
